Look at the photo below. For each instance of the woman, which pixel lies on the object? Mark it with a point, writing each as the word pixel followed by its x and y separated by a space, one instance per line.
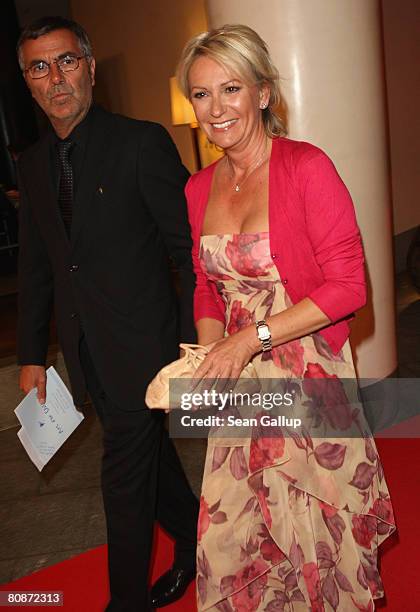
pixel 286 522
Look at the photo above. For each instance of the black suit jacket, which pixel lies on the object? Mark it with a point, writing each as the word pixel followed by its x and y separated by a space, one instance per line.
pixel 112 278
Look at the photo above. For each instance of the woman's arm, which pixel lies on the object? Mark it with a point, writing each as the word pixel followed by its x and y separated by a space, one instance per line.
pixel 335 238
pixel 229 356
pixel 209 331
pixel 209 308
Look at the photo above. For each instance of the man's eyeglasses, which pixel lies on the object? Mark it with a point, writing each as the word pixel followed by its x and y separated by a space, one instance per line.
pixel 68 63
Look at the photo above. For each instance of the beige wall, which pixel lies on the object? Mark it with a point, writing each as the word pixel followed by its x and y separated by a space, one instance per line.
pixel 136 46
pixel 402 51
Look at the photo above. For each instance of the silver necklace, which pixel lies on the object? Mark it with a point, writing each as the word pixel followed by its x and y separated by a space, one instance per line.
pixel 237 186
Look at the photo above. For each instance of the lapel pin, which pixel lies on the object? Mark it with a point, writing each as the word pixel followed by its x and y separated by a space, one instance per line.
pixel 100 190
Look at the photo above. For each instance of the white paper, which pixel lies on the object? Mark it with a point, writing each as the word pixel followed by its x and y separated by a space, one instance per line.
pixel 32 453
pixel 45 427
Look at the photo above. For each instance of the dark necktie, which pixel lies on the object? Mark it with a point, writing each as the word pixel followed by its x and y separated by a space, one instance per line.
pixel 65 186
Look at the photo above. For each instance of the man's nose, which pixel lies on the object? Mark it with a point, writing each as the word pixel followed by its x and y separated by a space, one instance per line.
pixel 56 75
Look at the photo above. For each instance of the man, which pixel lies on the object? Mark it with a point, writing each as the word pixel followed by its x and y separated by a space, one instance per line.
pixel 101 209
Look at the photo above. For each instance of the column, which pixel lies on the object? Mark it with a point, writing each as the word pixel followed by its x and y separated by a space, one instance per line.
pixel 329 54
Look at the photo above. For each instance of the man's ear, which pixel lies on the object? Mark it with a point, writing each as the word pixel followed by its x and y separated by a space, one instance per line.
pixel 92 68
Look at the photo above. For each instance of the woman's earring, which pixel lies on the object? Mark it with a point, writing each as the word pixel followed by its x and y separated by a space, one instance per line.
pixel 263 105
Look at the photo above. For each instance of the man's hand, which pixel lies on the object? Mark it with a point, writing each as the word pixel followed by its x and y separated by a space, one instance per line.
pixel 32 376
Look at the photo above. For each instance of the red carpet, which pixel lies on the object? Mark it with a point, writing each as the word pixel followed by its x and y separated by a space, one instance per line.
pixel 84 583
pixel 399 567
pixel 83 580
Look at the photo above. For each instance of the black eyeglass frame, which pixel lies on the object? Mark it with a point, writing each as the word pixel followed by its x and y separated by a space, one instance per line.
pixel 56 61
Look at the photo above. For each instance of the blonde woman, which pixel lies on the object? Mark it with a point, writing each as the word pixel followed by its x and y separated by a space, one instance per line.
pixel 286 523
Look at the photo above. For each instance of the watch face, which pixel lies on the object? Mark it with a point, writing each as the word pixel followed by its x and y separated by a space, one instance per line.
pixel 264 332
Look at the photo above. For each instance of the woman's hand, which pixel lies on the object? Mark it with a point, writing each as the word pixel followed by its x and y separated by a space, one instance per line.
pixel 229 356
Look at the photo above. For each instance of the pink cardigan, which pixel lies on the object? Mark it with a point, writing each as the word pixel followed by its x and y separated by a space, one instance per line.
pixel 314 238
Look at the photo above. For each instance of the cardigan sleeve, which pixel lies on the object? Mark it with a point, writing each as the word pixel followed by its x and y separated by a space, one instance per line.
pixel 335 238
pixel 207 302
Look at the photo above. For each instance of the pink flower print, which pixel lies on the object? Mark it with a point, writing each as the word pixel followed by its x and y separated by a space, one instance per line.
pixel 311 575
pixel 239 317
pixel 364 529
pixel 383 509
pixel 248 254
pixel 265 451
pixel 203 518
pixel 271 552
pixel 253 578
pixel 289 356
pixel 328 510
pixel 328 398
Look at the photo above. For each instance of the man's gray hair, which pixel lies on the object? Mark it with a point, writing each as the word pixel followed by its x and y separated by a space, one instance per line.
pixel 45 25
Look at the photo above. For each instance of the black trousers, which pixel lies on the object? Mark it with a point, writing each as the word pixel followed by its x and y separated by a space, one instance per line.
pixel 142 480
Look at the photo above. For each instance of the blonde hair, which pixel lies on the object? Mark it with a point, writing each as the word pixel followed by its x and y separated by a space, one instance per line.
pixel 244 52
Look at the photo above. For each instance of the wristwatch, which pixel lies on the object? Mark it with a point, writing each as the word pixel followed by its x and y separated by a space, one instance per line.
pixel 264 335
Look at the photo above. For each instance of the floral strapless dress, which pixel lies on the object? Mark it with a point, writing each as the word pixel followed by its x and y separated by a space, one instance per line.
pixel 286 523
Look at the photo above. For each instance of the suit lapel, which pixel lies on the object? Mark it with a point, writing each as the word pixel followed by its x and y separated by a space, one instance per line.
pixel 96 152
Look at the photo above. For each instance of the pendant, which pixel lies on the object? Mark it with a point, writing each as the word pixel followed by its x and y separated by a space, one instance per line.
pixel 237 188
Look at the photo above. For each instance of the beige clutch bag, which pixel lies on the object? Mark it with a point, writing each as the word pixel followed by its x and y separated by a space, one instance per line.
pixel 157 394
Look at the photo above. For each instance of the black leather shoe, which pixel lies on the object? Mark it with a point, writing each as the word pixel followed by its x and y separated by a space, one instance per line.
pixel 171 586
